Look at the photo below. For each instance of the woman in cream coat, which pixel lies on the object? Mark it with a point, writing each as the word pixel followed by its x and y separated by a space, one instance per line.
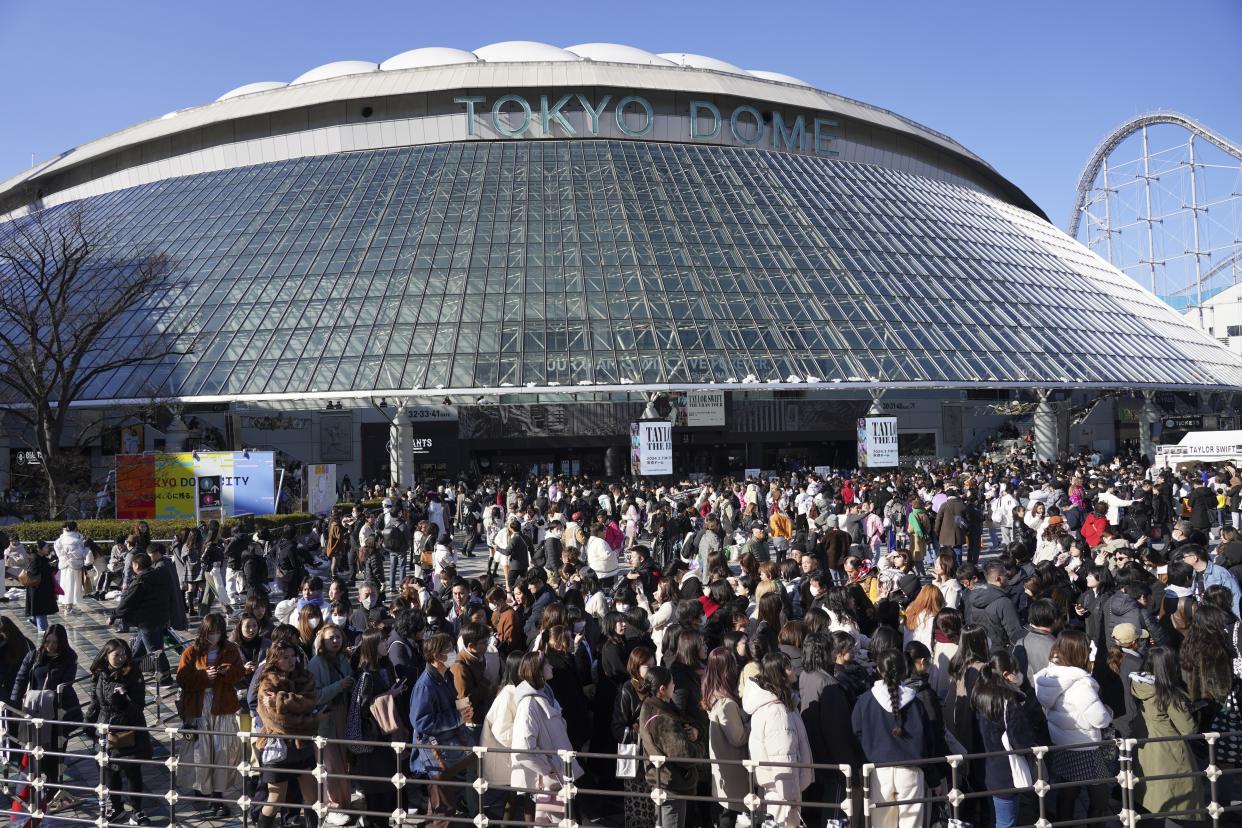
pixel 726 735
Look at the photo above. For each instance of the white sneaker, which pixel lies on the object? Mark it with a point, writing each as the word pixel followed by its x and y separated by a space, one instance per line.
pixel 336 818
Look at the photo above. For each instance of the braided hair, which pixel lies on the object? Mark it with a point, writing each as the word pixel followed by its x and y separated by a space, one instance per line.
pixel 891 665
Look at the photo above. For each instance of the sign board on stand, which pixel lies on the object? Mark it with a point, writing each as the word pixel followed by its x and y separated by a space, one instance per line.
pixel 651 448
pixel 321 488
pixel 877 442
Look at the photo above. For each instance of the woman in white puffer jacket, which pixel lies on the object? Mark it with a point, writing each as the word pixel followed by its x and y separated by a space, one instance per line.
pixel 1076 720
pixel 777 734
pixel 498 733
pixel 71 560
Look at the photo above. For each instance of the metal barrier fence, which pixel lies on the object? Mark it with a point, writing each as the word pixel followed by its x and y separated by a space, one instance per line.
pixel 30 746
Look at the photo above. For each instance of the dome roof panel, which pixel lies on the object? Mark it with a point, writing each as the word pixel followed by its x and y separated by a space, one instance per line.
pixel 523 51
pixel 778 76
pixel 251 88
pixel 618 53
pixel 336 69
pixel 702 62
pixel 428 56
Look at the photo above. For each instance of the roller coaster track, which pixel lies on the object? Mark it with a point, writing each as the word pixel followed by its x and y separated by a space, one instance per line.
pixel 1121 133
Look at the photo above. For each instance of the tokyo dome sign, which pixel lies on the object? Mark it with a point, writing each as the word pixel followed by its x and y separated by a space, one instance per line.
pixel 634 116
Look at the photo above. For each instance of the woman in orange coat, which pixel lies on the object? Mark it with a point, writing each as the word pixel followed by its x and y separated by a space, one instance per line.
pixel 208 670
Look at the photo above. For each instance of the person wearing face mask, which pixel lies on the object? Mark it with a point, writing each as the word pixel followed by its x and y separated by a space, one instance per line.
pixel 334 678
pixel 309 620
pixel 117 700
pixel 360 616
pixel 510 637
pixel 436 720
pixel 207 673
pixel 338 614
pixel 538 725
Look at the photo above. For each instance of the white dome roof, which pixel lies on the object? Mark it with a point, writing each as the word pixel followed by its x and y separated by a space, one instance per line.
pixel 703 62
pixel 250 88
pixel 777 76
pixel 523 51
pixel 618 53
pixel 336 69
pixel 428 56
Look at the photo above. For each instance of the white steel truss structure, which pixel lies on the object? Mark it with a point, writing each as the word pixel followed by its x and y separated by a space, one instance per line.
pixel 1161 199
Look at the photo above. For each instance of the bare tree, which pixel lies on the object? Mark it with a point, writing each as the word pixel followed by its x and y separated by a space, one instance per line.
pixel 64 299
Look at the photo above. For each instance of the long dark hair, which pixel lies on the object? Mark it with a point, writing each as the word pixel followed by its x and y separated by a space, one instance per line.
pixel 367 655
pixel 15 645
pixel 972 649
pixel 657 677
pixel 891 665
pixel 1170 689
pixel 817 653
pixel 56 631
pixel 212 622
pixel 101 665
pixel 774 677
pixel 992 692
pixel 720 678
pixel 1207 652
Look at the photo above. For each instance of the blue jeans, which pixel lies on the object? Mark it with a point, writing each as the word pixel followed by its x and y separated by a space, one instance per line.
pixel 40 623
pixel 150 640
pixel 1006 811
pixel 396 572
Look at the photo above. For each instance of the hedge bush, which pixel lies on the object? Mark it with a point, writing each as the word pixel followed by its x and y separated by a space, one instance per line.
pixel 106 531
pixel 370 503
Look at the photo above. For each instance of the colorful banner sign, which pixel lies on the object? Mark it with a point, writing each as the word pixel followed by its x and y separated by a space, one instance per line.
pixel 877 442
pixel 184 486
pixel 651 448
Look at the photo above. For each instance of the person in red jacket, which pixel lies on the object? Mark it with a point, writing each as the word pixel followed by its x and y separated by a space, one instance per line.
pixel 1095 524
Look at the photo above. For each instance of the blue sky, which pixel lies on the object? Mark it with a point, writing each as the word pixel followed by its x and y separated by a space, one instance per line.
pixel 1030 87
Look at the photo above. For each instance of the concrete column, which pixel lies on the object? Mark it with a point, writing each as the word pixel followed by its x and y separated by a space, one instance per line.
pixel 1147 416
pixel 1045 429
pixel 401 449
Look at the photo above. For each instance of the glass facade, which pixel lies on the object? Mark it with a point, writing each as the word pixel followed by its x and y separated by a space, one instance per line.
pixel 491 264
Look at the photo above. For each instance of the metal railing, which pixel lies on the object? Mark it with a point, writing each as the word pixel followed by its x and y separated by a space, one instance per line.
pixel 30 747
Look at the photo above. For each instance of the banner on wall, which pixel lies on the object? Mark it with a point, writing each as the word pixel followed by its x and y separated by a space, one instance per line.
pixel 877 442
pixel 321 488
pixel 211 485
pixel 701 409
pixel 651 448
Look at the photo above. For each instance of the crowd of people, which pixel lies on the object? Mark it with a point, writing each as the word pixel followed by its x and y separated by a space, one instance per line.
pixel 964 608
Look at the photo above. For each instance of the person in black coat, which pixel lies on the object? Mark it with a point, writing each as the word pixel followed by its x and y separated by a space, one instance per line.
pixel 166 570
pixel 568 685
pixel 825 706
pixel 41 597
pixel 14 646
pixel 147 605
pixel 118 699
pixel 52 667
